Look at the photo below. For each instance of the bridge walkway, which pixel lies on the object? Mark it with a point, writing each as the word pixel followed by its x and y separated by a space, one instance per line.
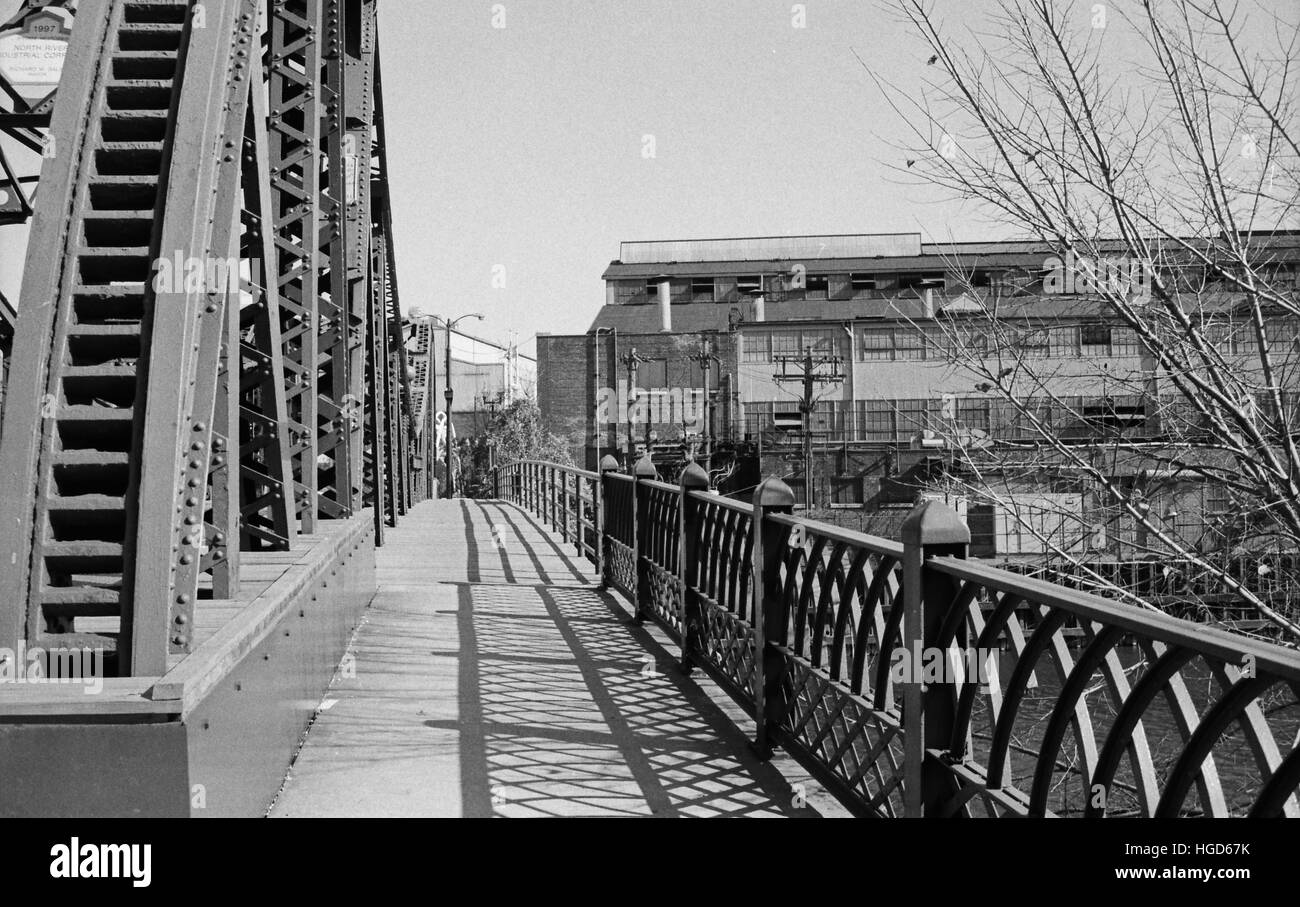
pixel 492 677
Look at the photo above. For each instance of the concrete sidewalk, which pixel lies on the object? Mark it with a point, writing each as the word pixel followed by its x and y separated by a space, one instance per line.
pixel 493 678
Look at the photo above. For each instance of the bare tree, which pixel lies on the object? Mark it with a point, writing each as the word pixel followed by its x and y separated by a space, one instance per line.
pixel 1151 152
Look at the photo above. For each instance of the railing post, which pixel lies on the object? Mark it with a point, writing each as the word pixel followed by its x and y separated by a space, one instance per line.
pixel 933 528
pixel 579 537
pixel 562 482
pixel 694 478
pixel 550 493
pixel 569 506
pixel 607 464
pixel 767 611
pixel 644 469
pixel 557 503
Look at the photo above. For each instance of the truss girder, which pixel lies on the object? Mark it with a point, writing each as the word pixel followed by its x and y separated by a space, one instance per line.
pixel 158 423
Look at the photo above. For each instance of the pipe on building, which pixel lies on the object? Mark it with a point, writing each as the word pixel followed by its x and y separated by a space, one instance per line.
pixel 665 304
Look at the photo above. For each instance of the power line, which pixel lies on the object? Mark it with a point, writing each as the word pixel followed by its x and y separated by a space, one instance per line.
pixel 810 377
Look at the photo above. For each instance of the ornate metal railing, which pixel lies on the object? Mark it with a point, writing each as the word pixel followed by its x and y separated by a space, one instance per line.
pixel 912 681
pixel 566 499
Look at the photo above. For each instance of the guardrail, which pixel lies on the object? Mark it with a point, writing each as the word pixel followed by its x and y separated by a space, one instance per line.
pixel 912 681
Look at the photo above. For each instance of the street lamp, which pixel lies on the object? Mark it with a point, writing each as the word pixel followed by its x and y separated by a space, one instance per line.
pixel 596 413
pixel 447 393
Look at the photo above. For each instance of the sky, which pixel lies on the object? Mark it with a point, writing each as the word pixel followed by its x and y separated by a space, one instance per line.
pixel 530 137
pixel 524 147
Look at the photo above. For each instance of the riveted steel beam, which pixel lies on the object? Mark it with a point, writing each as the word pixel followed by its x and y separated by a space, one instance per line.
pixel 69 459
pixel 187 326
pixel 268 518
pixel 295 158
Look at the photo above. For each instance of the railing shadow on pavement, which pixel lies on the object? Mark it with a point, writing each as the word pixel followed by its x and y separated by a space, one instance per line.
pixel 565 713
pixel 913 681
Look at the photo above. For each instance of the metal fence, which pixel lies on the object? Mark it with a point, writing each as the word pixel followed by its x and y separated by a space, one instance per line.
pixel 910 680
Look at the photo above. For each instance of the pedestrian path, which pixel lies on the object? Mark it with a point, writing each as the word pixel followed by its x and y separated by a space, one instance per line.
pixel 492 677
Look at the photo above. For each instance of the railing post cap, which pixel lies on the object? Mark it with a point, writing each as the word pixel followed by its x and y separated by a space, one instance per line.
pixel 694 476
pixel 933 522
pixel 645 468
pixel 772 492
pixel 608 463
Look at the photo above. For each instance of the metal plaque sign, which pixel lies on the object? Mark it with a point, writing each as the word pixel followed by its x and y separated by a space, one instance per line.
pixel 33 46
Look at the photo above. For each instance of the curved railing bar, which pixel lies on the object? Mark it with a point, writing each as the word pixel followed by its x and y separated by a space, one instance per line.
pixel 1229 706
pixel 1067 702
pixel 1015 692
pixel 1127 720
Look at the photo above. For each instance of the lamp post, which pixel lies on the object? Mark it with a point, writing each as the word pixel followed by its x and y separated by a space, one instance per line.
pixel 447 392
pixel 596 424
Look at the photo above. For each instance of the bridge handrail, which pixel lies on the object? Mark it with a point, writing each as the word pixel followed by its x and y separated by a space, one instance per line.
pixel 806 625
pixel 1159 626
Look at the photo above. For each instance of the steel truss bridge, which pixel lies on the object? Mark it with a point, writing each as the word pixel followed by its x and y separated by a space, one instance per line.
pixel 214 415
pixel 209 380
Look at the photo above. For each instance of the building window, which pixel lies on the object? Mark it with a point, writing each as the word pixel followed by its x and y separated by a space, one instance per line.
pixel 652 288
pixel 785 344
pixel 1116 413
pixel 924 280
pixel 1034 344
pixel 1283 335
pixel 912 418
pixel 758 348
pixel 909 343
pixel 860 281
pixel 816 286
pixel 821 342
pixel 1244 339
pixel 974 414
pixel 1124 342
pixel 751 284
pixel 938 346
pixel 1029 419
pixel 1064 341
pixel 788 407
pixel 970 340
pixel 877 420
pixel 702 289
pixel 877 344
pixel 1095 339
pixel 1218 500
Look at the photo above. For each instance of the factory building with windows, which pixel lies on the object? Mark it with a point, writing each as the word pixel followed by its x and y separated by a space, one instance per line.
pixel 884 323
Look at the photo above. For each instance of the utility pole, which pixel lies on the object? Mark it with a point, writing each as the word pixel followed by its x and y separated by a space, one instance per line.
pixel 705 358
pixel 632 360
pixel 810 378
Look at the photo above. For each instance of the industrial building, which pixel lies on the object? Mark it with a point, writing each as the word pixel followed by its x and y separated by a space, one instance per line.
pixel 878 317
